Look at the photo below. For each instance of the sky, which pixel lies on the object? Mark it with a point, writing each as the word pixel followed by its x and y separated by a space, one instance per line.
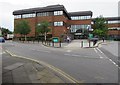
pixel 107 8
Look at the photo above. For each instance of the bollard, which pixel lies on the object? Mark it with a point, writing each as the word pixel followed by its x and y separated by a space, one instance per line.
pixel 89 43
pixel 60 43
pixel 53 43
pixel 81 44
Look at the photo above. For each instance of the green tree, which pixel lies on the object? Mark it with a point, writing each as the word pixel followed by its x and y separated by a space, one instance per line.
pixel 100 27
pixel 5 31
pixel 42 28
pixel 22 28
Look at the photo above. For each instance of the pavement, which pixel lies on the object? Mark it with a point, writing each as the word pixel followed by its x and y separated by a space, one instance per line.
pixel 72 44
pixel 17 70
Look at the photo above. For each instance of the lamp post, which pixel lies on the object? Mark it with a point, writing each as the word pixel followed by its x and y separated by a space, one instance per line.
pixel 90 36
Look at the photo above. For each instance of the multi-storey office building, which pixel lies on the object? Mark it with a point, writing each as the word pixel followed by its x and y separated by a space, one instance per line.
pixel 113 24
pixel 61 22
pixel 114 27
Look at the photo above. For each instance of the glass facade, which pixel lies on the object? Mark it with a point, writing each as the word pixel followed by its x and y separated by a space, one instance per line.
pixel 58 23
pixel 28 15
pixel 80 17
pixel 114 28
pixel 43 14
pixel 58 12
pixel 17 16
pixel 84 28
pixel 113 22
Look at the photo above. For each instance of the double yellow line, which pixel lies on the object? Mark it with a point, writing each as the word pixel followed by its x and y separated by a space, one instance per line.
pixel 65 75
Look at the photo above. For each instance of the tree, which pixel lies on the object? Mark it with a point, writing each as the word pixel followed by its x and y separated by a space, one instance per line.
pixel 100 27
pixel 42 28
pixel 22 28
pixel 5 31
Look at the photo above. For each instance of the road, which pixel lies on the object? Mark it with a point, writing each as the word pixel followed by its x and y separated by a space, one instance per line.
pixel 87 65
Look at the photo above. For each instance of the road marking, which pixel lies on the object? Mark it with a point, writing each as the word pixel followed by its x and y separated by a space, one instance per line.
pixel 75 55
pixel 108 58
pixel 95 50
pixel 2 53
pixel 79 56
pixel 70 78
pixel 41 51
pixel 100 51
pixel 68 51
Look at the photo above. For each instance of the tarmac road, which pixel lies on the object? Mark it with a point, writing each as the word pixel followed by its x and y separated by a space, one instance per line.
pixel 86 65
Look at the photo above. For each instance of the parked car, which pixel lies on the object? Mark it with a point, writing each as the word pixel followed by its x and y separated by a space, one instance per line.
pixel 2 40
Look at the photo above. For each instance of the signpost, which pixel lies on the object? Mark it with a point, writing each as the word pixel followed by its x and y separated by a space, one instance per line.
pixel 55 39
pixel 90 36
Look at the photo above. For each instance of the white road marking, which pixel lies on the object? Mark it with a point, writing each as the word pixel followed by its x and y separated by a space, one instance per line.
pixel 2 53
pixel 107 57
pixel 41 51
pixel 100 51
pixel 68 50
pixel 67 54
pixel 95 50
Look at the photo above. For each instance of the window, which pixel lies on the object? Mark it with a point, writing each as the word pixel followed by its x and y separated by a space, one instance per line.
pixel 80 17
pixel 58 23
pixel 28 15
pixel 114 28
pixel 74 28
pixel 111 22
pixel 43 14
pixel 17 16
pixel 58 12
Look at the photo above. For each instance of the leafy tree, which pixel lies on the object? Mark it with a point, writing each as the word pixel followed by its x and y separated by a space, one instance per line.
pixel 5 31
pixel 22 28
pixel 42 28
pixel 100 27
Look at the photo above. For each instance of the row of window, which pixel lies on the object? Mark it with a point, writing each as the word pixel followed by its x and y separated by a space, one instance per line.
pixel 58 23
pixel 28 15
pixel 112 22
pixel 74 28
pixel 38 14
pixel 109 22
pixel 80 17
pixel 114 28
pixel 43 14
pixel 58 12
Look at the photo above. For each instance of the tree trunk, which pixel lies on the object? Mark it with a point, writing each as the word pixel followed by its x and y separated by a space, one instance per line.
pixel 25 38
pixel 45 35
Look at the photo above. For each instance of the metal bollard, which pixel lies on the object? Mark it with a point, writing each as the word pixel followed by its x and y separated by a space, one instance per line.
pixel 81 44
pixel 60 43
pixel 53 43
pixel 89 43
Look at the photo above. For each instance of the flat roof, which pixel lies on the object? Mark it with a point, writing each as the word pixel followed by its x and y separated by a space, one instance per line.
pixel 81 13
pixel 109 18
pixel 40 9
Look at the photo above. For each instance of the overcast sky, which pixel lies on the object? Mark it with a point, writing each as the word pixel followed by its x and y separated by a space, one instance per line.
pixel 107 8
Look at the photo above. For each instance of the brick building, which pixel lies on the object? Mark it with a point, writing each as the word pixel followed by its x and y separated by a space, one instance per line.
pixel 61 21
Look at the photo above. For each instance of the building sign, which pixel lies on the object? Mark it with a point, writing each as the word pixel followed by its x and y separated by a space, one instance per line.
pixel 55 39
